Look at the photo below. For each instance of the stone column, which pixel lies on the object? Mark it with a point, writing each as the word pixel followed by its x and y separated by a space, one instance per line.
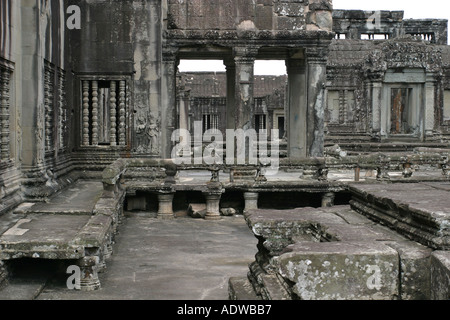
pixel 430 89
pixel 244 86
pixel 165 210
pixel 89 274
pixel 297 109
pixel 231 93
pixel 376 91
pixel 317 73
pixel 184 110
pixel 328 200
pixel 213 205
pixel 251 201
pixel 168 100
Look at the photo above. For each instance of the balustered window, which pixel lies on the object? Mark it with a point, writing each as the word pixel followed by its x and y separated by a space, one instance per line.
pixel 49 106
pixel 55 108
pixel 104 113
pixel 5 79
pixel 260 122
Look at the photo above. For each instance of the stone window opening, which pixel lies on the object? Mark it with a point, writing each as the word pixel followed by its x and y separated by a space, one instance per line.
pixel 375 36
pixel 340 36
pixel 260 122
pixel 55 111
pixel 425 36
pixel 210 122
pixel 104 113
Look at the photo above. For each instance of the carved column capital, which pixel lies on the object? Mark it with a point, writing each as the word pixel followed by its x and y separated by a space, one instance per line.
pixel 317 55
pixel 245 54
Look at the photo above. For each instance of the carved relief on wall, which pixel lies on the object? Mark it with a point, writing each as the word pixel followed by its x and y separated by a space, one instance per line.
pixel 147 132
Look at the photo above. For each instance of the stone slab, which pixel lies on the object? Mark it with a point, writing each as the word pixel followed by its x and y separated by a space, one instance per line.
pixel 357 233
pixel 43 236
pixel 341 271
pixel 77 199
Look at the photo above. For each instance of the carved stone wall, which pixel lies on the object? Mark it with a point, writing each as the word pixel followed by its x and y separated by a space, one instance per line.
pixel 248 15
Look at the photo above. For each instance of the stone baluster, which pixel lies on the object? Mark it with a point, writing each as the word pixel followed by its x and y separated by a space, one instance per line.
pixel 95 123
pixel 165 210
pixel 113 113
pixel 213 204
pixel 251 201
pixel 407 168
pixel 383 166
pixel 4 115
pixel 49 111
pixel 444 166
pixel 328 199
pixel 86 129
pixel 62 108
pixel 89 274
pixel 122 113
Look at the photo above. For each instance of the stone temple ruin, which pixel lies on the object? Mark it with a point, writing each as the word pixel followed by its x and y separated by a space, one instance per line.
pixel 358 208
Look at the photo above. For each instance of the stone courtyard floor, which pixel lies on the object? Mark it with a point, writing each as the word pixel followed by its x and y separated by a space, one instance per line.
pixel 181 259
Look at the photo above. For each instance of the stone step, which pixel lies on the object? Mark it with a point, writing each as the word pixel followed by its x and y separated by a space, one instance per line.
pixel 241 289
pixel 272 289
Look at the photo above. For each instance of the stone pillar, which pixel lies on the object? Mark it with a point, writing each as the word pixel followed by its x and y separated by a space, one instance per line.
pixel 251 201
pixel 184 110
pixel 89 274
pixel 165 210
pixel 213 205
pixel 317 73
pixel 430 89
pixel 376 92
pixel 231 93
pixel 297 109
pixel 328 200
pixel 168 100
pixel 244 86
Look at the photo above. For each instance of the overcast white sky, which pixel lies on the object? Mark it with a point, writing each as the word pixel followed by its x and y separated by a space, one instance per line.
pixel 414 9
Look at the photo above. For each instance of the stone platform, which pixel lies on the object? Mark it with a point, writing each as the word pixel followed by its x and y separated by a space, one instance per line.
pixel 337 254
pixel 73 225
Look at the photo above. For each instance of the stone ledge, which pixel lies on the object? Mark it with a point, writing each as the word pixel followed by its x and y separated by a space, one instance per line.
pixel 413 210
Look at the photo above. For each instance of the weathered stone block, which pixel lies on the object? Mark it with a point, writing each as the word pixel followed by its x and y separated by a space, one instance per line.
pixel 341 271
pixel 197 210
pixel 241 289
pixel 227 212
pixel 440 275
pixel 264 18
pixel 415 266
